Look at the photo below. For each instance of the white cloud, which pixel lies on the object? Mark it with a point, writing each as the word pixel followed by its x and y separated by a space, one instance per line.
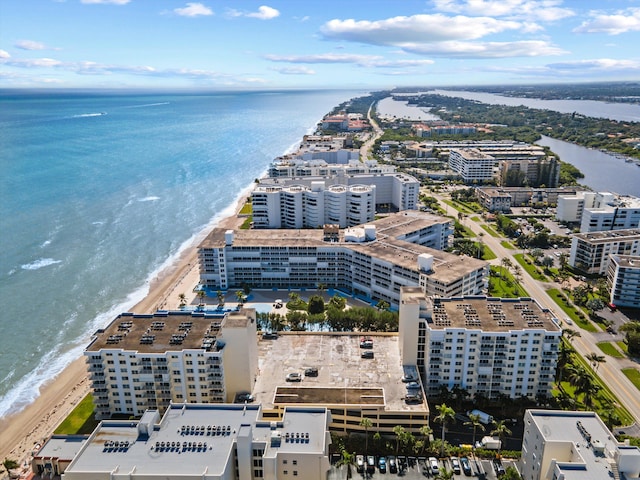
pixel 114 2
pixel 29 45
pixel 531 10
pixel 525 48
pixel 597 64
pixel 193 10
pixel 294 71
pixel 346 58
pixel 615 24
pixel 264 13
pixel 398 31
pixel 4 54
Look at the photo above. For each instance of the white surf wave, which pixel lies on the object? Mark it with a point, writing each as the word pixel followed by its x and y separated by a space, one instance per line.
pixel 40 263
pixel 84 115
pixel 151 198
pixel 148 105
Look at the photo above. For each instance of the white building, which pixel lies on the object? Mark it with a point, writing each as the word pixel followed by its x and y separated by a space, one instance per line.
pixel 342 199
pixel 299 206
pixel 488 346
pixel 623 277
pixel 207 442
pixel 590 252
pixel 474 165
pixel 142 362
pixel 599 211
pixel 372 261
pixel 298 167
pixel 566 445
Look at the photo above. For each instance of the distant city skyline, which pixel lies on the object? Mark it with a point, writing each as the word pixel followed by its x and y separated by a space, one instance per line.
pixel 241 44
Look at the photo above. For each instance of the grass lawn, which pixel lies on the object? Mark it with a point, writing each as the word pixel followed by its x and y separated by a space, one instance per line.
pixel 247 209
pixel 461 207
pixel 530 268
pixel 80 421
pixel 633 375
pixel 507 245
pixel 609 349
pixel 476 219
pixel 491 231
pixel 504 286
pixel 570 311
pixel 488 254
pixel 623 347
pixel 468 233
pixel 246 225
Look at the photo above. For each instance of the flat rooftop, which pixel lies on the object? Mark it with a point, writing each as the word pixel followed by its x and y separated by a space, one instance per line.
pixel 62 447
pixel 491 314
pixel 210 429
pixel 576 427
pixel 606 236
pixel 344 378
pixel 165 330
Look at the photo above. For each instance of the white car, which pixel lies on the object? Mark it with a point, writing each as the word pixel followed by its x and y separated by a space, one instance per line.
pixel 294 377
pixel 433 465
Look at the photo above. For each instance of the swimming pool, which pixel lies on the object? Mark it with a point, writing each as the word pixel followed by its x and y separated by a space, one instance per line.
pixel 260 307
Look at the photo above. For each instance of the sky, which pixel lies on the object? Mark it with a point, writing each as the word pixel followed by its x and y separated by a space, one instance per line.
pixel 286 44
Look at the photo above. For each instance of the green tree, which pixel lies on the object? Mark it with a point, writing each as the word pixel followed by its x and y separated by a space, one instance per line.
pixel 511 473
pixel 595 360
pixel 201 295
pixel 366 423
pixel 316 304
pixel 183 299
pixel 444 474
pixel 570 334
pixel 399 431
pixel 346 459
pixel 240 296
pixel 474 421
pixel 220 297
pixel 445 415
pixel 10 464
pixel 338 302
pixel 501 431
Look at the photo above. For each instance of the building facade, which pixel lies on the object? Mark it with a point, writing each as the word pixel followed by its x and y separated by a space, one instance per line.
pixel 569 445
pixel 488 346
pixel 623 277
pixel 208 442
pixel 142 362
pixel 372 261
pixel 590 252
pixel 599 211
pixel 473 165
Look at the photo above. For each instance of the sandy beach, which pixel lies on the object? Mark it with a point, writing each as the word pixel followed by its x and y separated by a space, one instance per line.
pixel 21 432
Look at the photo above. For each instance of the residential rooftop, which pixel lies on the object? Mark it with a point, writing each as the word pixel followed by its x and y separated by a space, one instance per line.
pixel 607 236
pixel 166 330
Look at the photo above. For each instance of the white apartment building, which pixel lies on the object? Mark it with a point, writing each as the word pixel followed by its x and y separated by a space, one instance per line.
pixel 473 165
pixel 590 252
pixel 488 346
pixel 297 167
pixel 207 442
pixel 342 199
pixel 570 445
pixel 299 206
pixel 142 362
pixel 623 277
pixel 599 211
pixel 372 261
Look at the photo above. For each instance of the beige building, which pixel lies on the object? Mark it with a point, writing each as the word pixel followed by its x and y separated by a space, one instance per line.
pixel 372 261
pixel 566 445
pixel 207 442
pixel 142 362
pixel 488 346
pixel 590 252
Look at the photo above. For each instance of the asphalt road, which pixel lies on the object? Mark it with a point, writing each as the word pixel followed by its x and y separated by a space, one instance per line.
pixel 609 371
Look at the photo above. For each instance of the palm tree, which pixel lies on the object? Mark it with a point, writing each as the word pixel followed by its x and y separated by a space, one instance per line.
pixel 366 423
pixel 500 430
pixel 570 333
pixel 183 299
pixel 220 296
pixel 10 464
pixel 445 414
pixel 346 459
pixel 201 295
pixel 505 262
pixel 240 296
pixel 444 474
pixel 474 421
pixel 595 360
pixel 399 431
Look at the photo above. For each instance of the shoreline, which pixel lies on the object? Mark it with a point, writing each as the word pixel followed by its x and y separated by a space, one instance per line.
pixel 21 431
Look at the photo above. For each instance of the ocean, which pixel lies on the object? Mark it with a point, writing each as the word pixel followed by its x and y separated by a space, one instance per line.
pixel 101 190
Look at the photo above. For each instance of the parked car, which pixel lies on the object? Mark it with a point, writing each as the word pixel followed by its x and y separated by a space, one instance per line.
pixel 412 398
pixel 270 336
pixel 360 463
pixel 455 465
pixel 371 464
pixel 294 377
pixel 245 397
pixel 366 342
pixel 382 464
pixel 311 372
pixel 413 386
pixel 409 377
pixel 497 466
pixel 393 465
pixel 466 466
pixel 368 354
pixel 433 465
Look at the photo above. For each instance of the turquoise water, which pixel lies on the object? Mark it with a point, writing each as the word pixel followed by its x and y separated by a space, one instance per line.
pixel 100 191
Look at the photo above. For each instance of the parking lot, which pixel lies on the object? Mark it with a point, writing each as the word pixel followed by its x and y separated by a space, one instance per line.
pixel 418 468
